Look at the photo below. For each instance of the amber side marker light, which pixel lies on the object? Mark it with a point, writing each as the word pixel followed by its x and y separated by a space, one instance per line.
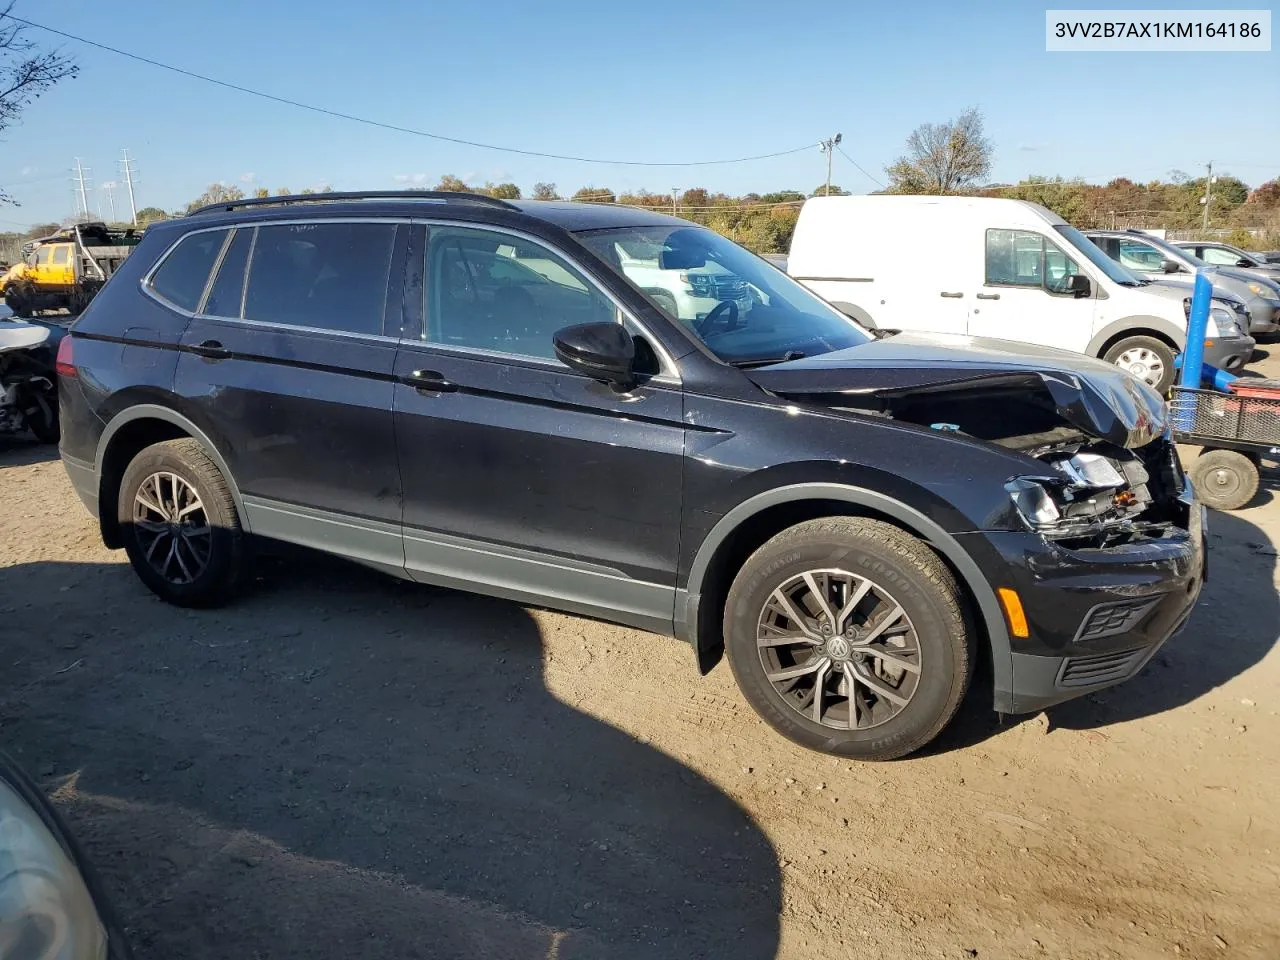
pixel 1013 612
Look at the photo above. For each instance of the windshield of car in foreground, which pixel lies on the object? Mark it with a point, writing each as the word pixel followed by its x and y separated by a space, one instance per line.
pixel 744 309
pixel 1095 255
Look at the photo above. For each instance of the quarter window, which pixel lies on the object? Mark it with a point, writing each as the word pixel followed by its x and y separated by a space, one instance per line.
pixel 1022 258
pixel 493 291
pixel 182 276
pixel 332 276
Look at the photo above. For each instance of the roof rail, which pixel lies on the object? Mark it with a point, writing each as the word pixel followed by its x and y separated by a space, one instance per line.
pixel 435 196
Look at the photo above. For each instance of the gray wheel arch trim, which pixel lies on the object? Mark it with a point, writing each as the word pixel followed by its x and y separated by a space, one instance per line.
pixel 153 411
pixel 910 518
pixel 1135 325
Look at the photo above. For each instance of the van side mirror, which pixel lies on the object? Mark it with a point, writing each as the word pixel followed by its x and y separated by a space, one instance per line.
pixel 603 351
pixel 1078 285
pixel 1170 266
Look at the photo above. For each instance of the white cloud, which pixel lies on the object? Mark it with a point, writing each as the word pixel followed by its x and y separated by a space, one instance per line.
pixel 1030 146
pixel 28 171
pixel 471 176
pixel 248 178
pixel 416 179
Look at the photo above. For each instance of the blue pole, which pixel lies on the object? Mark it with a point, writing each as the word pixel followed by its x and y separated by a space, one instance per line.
pixel 1197 324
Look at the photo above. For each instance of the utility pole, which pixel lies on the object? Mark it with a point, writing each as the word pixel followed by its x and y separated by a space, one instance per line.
pixel 674 190
pixel 1208 193
pixel 128 179
pixel 79 178
pixel 828 146
pixel 109 188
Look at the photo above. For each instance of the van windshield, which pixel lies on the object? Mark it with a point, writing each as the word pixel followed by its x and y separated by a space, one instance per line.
pixel 744 309
pixel 1090 251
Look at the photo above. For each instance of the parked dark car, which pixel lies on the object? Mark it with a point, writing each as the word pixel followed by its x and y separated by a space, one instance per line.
pixel 861 522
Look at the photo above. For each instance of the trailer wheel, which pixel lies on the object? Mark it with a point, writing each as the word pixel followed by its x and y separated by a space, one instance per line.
pixel 1225 479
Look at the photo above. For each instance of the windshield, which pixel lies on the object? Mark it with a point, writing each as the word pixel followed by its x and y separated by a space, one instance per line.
pixel 1090 251
pixel 744 309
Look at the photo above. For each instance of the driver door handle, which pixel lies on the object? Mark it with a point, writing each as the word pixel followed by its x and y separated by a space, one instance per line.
pixel 210 350
pixel 988 296
pixel 429 381
pixel 956 295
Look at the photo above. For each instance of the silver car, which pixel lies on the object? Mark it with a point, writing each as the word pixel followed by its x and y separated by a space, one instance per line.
pixel 1156 259
pixel 1218 254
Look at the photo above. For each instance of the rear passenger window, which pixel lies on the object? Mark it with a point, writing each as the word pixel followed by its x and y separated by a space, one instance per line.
pixel 332 276
pixel 185 271
pixel 228 288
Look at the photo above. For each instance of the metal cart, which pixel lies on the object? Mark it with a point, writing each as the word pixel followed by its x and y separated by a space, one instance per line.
pixel 1238 429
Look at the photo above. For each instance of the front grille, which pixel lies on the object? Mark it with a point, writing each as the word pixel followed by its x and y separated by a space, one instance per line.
pixel 729 288
pixel 1112 619
pixel 1103 668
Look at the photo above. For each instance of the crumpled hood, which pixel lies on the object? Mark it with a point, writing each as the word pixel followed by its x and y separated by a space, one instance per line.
pixel 1095 397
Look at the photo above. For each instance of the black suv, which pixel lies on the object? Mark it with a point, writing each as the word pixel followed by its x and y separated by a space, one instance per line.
pixel 509 398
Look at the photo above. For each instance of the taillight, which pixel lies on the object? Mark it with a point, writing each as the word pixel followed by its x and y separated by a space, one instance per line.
pixel 65 365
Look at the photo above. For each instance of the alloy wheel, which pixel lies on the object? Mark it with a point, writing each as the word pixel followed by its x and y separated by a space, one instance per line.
pixel 172 527
pixel 839 649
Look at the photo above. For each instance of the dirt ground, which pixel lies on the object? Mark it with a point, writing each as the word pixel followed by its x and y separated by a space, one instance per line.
pixel 341 765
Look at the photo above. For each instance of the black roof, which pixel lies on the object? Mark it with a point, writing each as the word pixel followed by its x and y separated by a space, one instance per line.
pixel 564 214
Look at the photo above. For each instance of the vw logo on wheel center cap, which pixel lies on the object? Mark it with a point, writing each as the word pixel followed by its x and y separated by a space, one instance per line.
pixel 838 648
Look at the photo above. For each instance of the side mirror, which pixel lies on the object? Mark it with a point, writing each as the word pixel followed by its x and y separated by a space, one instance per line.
pixel 1079 286
pixel 1243 262
pixel 1170 266
pixel 603 351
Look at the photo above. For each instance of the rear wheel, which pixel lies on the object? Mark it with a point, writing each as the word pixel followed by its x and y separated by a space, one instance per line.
pixel 180 526
pixel 846 636
pixel 1225 479
pixel 1148 359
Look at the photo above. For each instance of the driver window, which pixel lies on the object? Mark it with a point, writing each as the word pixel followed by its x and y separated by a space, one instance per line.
pixel 491 291
pixel 1141 257
pixel 42 255
pixel 1219 257
pixel 1058 269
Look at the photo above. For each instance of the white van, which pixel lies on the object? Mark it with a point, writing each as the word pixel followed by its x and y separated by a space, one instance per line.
pixel 1000 268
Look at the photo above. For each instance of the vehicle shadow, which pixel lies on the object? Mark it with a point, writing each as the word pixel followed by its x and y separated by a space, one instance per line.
pixel 23 450
pixel 343 765
pixel 1235 624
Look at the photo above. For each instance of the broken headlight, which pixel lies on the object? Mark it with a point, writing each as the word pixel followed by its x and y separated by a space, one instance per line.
pixel 1085 492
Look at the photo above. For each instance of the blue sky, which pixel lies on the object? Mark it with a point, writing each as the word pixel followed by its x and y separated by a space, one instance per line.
pixel 646 81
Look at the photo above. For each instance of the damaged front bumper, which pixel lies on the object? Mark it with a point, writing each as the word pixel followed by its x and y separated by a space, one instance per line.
pixel 1096 615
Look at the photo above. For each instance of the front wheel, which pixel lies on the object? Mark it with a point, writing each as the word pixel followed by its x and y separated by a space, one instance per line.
pixel 181 530
pixel 1148 359
pixel 846 636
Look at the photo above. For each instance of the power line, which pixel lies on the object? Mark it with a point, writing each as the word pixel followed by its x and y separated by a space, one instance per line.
pixel 391 126
pixel 859 166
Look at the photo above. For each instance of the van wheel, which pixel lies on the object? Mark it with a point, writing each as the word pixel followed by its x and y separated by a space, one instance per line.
pixel 846 636
pixel 1224 479
pixel 180 526
pixel 1148 359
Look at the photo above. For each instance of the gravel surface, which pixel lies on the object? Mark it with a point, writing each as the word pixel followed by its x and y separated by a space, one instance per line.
pixel 341 765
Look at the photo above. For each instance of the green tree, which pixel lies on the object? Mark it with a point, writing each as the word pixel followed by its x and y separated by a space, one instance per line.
pixel 262 193
pixel 217 193
pixel 943 157
pixel 451 184
pixel 782 196
pixel 503 191
pixel 821 189
pixel 25 72
pixel 1066 198
pixel 151 214
pixel 545 191
pixel 283 192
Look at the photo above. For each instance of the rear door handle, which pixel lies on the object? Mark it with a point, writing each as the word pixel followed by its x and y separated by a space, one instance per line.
pixel 988 296
pixel 953 295
pixel 429 381
pixel 211 350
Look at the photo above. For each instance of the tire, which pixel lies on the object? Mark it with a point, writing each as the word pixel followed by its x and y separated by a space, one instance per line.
pixel 19 304
pixel 903 572
pixel 1225 479
pixel 1147 358
pixel 182 579
pixel 41 414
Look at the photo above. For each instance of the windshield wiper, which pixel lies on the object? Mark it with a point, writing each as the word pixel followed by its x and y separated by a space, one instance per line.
pixel 766 361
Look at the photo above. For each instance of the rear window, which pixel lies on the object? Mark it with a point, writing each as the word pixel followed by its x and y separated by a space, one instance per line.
pixel 331 276
pixel 185 271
